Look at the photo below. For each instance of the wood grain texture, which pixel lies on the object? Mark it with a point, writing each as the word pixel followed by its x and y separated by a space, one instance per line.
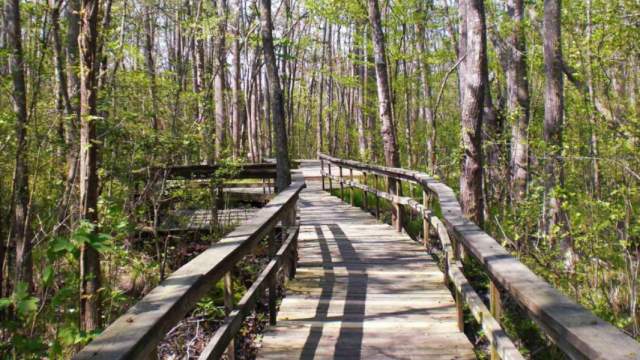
pixel 577 331
pixel 362 291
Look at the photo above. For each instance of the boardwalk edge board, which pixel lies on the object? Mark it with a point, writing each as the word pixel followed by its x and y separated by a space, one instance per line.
pixel 136 333
pixel 573 328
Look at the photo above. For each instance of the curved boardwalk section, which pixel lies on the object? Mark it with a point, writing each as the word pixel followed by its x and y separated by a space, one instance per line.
pixel 362 291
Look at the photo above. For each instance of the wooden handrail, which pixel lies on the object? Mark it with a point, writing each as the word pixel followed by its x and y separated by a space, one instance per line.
pixel 575 330
pixel 257 171
pixel 135 334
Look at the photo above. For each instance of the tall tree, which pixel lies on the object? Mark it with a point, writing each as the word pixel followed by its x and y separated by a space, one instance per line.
pixel 473 40
pixel 427 101
pixel 518 100
pixel 20 205
pixel 384 92
pixel 277 100
pixel 220 106
pixel 89 258
pixel 556 222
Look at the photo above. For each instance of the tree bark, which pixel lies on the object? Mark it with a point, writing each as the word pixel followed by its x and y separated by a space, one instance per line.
pixel 89 258
pixel 518 101
pixel 238 102
pixel 384 94
pixel 219 80
pixel 149 28
pixel 277 101
pixel 427 99
pixel 20 231
pixel 473 39
pixel 556 222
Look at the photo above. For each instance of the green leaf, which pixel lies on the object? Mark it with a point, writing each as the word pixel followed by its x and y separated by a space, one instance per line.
pixel 47 275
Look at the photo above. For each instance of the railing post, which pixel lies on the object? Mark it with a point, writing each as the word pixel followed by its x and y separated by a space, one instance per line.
pixel 495 306
pixel 365 194
pixel 397 205
pixel 458 297
pixel 228 307
pixel 351 187
pixel 425 221
pixel 377 198
pixel 330 179
pixel 322 172
pixel 272 282
pixel 341 183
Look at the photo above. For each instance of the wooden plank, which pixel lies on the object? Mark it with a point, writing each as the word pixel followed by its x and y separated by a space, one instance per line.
pixel 577 331
pixel 233 322
pixel 136 333
pixel 357 283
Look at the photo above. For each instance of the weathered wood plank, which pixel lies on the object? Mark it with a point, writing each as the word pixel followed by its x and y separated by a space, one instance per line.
pixel 577 331
pixel 136 333
pixel 357 283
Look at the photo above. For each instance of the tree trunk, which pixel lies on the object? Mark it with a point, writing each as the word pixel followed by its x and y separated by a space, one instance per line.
pixel 360 50
pixel 238 103
pixel 556 224
pixel 219 79
pixel 427 100
pixel 20 231
pixel 473 40
pixel 89 258
pixel 518 101
pixel 149 25
pixel 384 94
pixel 277 101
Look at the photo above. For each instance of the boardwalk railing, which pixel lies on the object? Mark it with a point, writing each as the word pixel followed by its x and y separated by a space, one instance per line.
pixel 136 334
pixel 574 329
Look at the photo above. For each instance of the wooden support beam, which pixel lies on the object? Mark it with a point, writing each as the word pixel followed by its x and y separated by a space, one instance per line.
pixel 330 180
pixel 351 188
pixel 377 198
pixel 365 194
pixel 341 183
pixel 425 221
pixel 495 306
pixel 228 307
pixel 398 207
pixel 322 172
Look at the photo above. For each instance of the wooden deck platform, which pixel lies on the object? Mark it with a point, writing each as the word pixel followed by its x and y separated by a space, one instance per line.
pixel 362 291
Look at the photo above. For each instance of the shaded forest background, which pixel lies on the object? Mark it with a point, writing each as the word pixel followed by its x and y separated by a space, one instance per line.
pixel 185 82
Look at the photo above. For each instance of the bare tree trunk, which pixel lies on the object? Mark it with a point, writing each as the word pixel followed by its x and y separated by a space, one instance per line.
pixel 518 101
pixel 238 104
pixel 320 127
pixel 149 24
pixel 361 120
pixel 20 231
pixel 67 210
pixel 384 94
pixel 473 39
pixel 556 222
pixel 277 101
pixel 427 99
pixel 89 257
pixel 219 79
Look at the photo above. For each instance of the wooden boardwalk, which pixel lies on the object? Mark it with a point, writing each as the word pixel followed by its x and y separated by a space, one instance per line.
pixel 362 291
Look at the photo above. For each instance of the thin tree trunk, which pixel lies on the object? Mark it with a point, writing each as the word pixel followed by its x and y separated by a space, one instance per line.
pixel 238 104
pixel 384 98
pixel 473 39
pixel 20 231
pixel 149 24
pixel 427 99
pixel 89 258
pixel 277 101
pixel 219 80
pixel 518 101
pixel 556 222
